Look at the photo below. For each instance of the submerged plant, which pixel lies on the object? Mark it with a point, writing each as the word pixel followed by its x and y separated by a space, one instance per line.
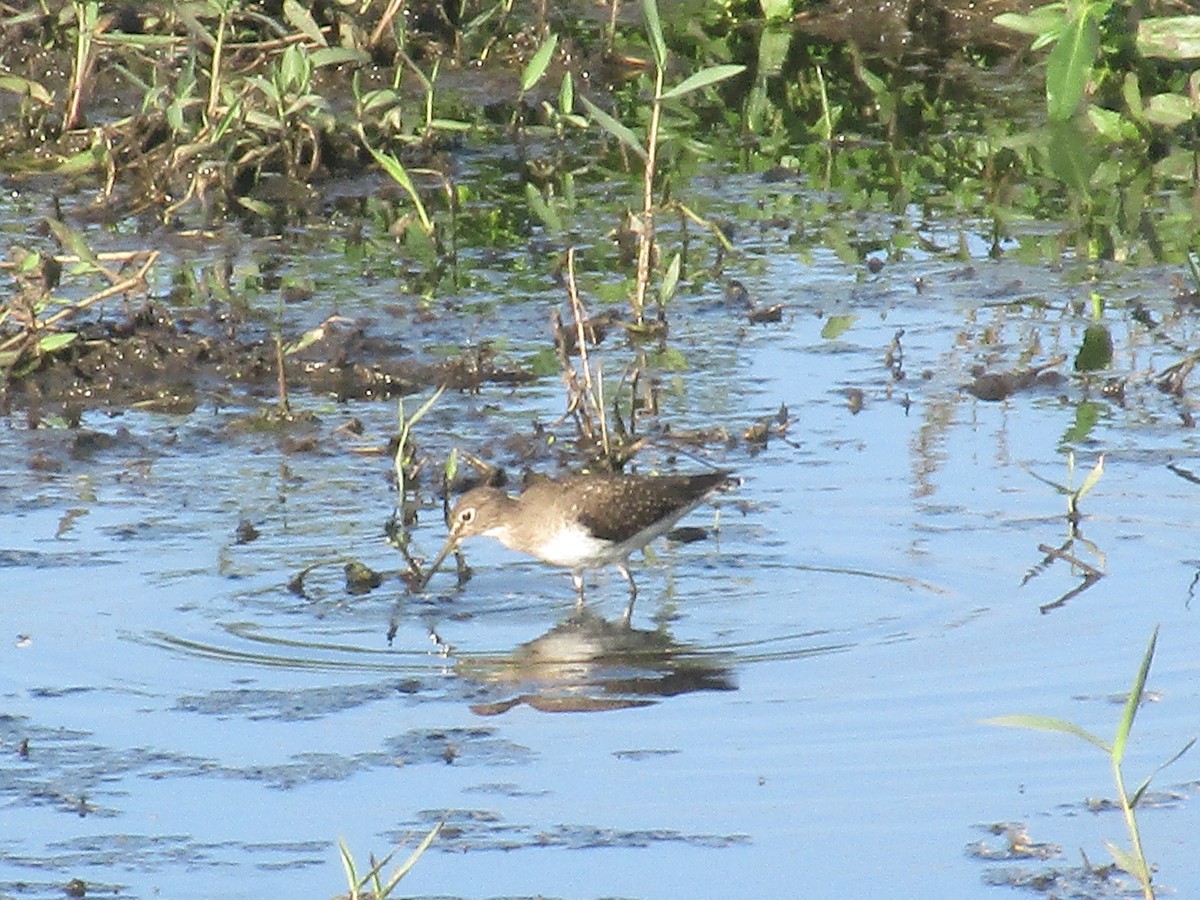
pixel 1132 860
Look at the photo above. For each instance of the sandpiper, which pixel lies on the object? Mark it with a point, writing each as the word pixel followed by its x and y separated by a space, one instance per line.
pixel 583 521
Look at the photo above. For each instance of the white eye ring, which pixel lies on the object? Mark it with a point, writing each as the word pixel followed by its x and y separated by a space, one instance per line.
pixel 467 516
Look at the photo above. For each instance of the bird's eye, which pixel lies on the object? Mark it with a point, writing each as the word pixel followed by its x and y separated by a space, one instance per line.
pixel 467 516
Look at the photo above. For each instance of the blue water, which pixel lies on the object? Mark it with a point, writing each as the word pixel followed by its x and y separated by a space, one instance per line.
pixel 805 717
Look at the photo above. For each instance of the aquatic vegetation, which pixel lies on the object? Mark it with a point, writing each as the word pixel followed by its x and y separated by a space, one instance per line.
pixel 371 885
pixel 1132 860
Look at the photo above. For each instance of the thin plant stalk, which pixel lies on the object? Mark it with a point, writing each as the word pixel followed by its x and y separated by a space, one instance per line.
pixel 86 18
pixel 380 891
pixel 214 76
pixel 406 426
pixel 649 171
pixel 1133 860
pixel 592 398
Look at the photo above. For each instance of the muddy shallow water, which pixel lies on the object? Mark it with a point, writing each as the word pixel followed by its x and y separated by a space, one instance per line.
pixel 797 708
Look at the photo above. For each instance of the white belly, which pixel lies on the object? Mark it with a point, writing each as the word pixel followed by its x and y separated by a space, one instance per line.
pixel 573 548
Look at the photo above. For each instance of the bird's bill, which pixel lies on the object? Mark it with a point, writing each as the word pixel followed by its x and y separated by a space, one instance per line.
pixel 447 548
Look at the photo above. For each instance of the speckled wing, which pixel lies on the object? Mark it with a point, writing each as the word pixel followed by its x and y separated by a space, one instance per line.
pixel 617 508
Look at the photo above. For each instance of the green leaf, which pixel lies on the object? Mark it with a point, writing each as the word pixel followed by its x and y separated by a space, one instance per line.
pixel 1111 125
pixel 836 326
pixel 538 63
pixel 540 208
pixel 396 171
pixel 338 56
pixel 669 360
pixel 1044 21
pixel 1071 157
pixel 1092 479
pixel 348 863
pixel 774 45
pixel 1133 701
pixel 702 79
pixel 670 281
pixel 25 259
pixel 654 31
pixel 51 342
pixel 1070 65
pixel 1087 414
pixel 613 127
pixel 301 19
pixel 1096 352
pixel 1131 93
pixel 1169 110
pixel 73 242
pixel 141 41
pixel 544 362
pixel 1047 723
pixel 26 88
pixel 1169 37
pixel 84 161
pixel 776 10
pixel 449 125
pixel 258 207
pixel 1128 862
pixel 566 94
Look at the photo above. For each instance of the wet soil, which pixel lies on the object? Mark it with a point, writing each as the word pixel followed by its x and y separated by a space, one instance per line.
pixel 150 356
pixel 151 359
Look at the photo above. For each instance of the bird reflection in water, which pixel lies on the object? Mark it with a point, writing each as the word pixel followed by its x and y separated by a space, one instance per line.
pixel 587 663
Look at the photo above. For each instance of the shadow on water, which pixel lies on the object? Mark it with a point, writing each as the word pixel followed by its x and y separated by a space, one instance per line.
pixel 587 663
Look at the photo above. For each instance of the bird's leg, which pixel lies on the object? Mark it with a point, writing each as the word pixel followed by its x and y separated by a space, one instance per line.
pixel 623 568
pixel 577 577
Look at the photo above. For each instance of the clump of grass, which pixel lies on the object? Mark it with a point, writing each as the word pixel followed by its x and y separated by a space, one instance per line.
pixel 371 885
pixel 648 149
pixel 1132 860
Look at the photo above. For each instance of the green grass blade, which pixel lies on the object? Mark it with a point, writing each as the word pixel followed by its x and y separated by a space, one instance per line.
pixel 413 857
pixel 1047 723
pixel 1128 862
pixel 348 866
pixel 613 127
pixel 538 63
pixel 1133 702
pixel 702 79
pixel 1061 488
pixel 654 31
pixel 1137 795
pixel 1092 479
pixel 396 171
pixel 426 406
pixel 73 242
pixel 670 280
